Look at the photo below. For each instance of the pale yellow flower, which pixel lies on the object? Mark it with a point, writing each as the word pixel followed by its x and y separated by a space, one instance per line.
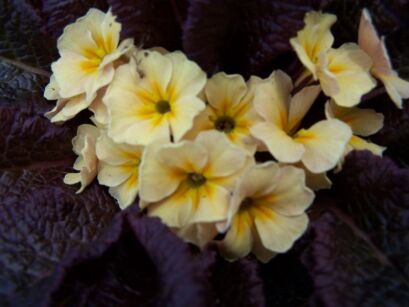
pixel 369 41
pixel 230 109
pixel 267 212
pixel 318 148
pixel 313 39
pixel 155 99
pixel 363 122
pixel 87 163
pixel 88 50
pixel 344 74
pixel 190 182
pixel 119 169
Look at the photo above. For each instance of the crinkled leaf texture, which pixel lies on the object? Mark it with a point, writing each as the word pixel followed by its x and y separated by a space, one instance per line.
pixel 140 262
pixel 41 218
pixel 241 36
pixel 359 255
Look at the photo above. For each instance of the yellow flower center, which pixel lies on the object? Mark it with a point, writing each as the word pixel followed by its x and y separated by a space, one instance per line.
pixel 225 124
pixel 162 107
pixel 195 180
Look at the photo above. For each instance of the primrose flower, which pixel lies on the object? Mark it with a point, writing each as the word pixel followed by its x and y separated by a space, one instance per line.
pixel 230 109
pixel 318 148
pixel 87 162
pixel 344 74
pixel 88 50
pixel 314 39
pixel 190 182
pixel 154 100
pixel 363 122
pixel 119 169
pixel 374 46
pixel 267 212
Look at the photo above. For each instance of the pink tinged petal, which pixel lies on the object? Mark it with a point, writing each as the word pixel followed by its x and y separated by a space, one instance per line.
pixel 324 144
pixel 363 122
pixel 126 192
pixel 300 105
pixel 279 144
pixel 188 79
pixel 224 158
pixel 184 110
pixel 272 98
pixel 223 91
pixel 157 181
pixel 369 41
pixel 277 232
pixel 358 143
pixel 175 210
pixel 290 197
pixel 212 204
pixel 396 88
pixel 238 241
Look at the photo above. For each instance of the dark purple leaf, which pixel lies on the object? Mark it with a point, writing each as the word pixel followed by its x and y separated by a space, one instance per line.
pixel 247 37
pixel 151 23
pixel 236 284
pixel 359 254
pixel 138 262
pixel 22 34
pixel 286 281
pixel 57 14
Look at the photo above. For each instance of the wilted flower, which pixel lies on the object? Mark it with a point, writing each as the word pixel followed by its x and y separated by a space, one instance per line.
pixel 190 181
pixel 230 109
pixel 87 162
pixel 370 42
pixel 266 213
pixel 88 49
pixel 363 122
pixel 119 169
pixel 319 147
pixel 154 100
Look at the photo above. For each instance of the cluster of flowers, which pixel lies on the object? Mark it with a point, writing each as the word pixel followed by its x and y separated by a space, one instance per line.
pixel 185 144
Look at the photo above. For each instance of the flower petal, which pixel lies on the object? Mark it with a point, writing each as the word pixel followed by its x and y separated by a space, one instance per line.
pixel 225 91
pixel 280 145
pixel 187 77
pixel 363 122
pixel 224 158
pixel 290 196
pixel 157 181
pixel 126 192
pixel 184 111
pixel 239 240
pixel 277 232
pixel 324 144
pixel 300 104
pixel 272 97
